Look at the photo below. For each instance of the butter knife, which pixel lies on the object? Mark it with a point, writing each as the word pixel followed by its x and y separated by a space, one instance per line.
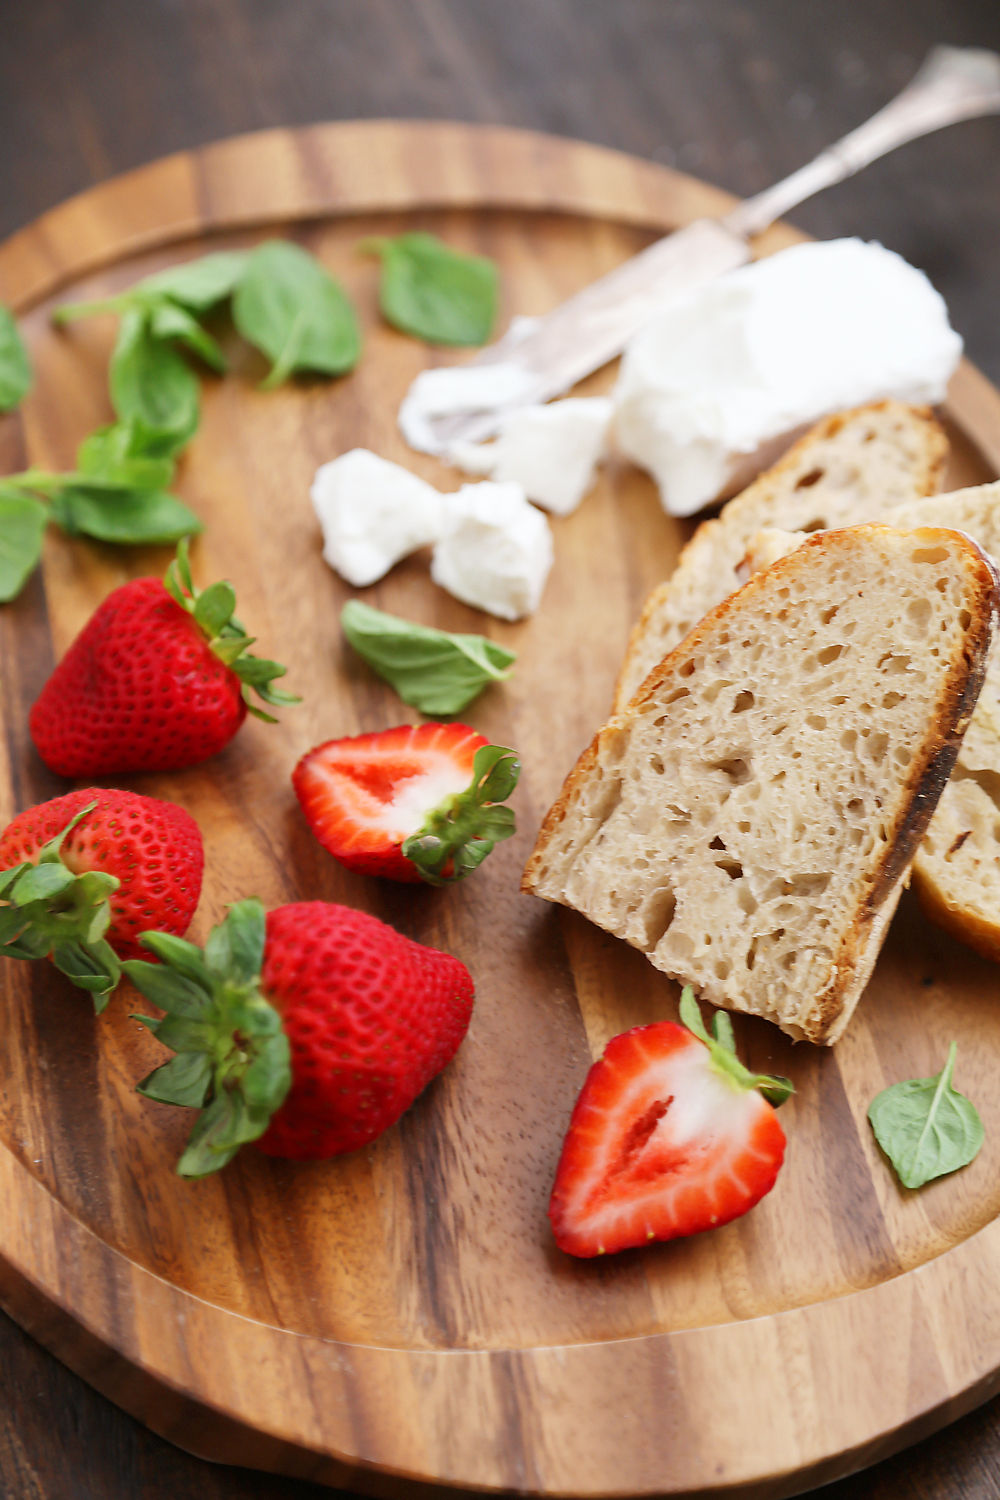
pixel 590 328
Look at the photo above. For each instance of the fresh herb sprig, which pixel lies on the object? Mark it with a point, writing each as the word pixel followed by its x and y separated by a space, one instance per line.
pixel 434 670
pixel 433 292
pixel 926 1127
pixel 283 302
pixel 117 493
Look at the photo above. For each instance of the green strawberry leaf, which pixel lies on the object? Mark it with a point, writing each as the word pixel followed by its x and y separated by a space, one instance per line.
pixel 434 293
pixel 225 635
pixel 289 308
pixel 435 671
pixel 185 1080
pixel 722 1049
pixel 172 990
pixel 246 929
pixel 458 835
pixel 238 1058
pixel 926 1127
pixel 15 367
pixel 22 526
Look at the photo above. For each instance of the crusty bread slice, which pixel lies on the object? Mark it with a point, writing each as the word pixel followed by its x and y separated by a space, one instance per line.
pixel 956 870
pixel 749 819
pixel 849 468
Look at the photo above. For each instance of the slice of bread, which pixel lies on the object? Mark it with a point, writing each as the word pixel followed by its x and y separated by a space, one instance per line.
pixel 850 468
pixel 956 870
pixel 749 819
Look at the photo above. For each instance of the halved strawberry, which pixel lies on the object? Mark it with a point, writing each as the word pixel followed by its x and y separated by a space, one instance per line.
pixel 413 803
pixel 670 1135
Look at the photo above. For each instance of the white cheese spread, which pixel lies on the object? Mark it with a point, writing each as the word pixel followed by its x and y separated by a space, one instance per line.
pixel 456 390
pixel 551 451
pixel 373 513
pixel 496 550
pixel 761 351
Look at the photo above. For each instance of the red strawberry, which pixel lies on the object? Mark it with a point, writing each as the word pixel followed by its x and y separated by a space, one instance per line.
pixel 85 874
pixel 309 1033
pixel 156 681
pixel 670 1135
pixel 413 803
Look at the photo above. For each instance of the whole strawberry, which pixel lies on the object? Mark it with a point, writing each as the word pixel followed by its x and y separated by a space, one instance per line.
pixel 309 1032
pixel 156 681
pixel 82 876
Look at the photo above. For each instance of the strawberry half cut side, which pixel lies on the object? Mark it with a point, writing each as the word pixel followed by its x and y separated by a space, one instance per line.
pixel 671 1135
pixel 418 802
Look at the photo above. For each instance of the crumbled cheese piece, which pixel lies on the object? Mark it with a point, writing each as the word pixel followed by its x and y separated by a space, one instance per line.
pixel 455 390
pixel 551 451
pixel 373 512
pixel 496 550
pixel 756 354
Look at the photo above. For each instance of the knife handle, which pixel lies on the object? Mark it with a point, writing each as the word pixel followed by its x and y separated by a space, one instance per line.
pixel 954 83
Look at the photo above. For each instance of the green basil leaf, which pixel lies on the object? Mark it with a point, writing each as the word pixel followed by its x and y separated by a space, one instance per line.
pixel 22 525
pixel 433 292
pixel 925 1127
pixel 150 381
pixel 117 455
pixel 122 515
pixel 199 284
pixel 434 670
pixel 15 368
pixel 167 320
pixel 287 306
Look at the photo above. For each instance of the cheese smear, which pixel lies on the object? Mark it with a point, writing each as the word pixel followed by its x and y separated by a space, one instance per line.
pixel 744 362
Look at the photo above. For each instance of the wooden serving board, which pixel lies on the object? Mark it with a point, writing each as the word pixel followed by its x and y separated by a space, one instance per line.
pixel 402 1314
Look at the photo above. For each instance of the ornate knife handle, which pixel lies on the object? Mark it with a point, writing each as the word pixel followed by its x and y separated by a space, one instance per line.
pixel 954 83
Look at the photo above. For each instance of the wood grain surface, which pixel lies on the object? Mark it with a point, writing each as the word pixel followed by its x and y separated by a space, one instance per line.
pixel 456 30
pixel 424 1266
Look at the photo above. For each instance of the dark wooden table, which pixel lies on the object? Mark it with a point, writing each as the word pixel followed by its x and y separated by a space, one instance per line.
pixel 738 93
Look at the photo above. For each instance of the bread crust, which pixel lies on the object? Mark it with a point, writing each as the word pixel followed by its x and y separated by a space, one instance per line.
pixel 925 781
pixel 926 481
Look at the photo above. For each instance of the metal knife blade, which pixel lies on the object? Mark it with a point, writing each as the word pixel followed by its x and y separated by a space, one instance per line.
pixel 590 328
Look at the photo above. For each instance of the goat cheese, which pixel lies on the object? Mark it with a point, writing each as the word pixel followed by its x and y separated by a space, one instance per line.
pixel 551 451
pixel 758 353
pixel 373 513
pixel 496 550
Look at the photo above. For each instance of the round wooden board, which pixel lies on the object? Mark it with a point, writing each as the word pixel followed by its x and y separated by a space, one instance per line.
pixel 403 1314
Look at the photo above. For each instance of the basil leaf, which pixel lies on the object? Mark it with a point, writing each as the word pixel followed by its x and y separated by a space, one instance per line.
pixel 122 515
pixel 288 307
pixel 15 370
pixel 925 1127
pixel 434 293
pixel 116 455
pixel 151 383
pixel 22 525
pixel 434 670
pixel 198 284
pixel 167 320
